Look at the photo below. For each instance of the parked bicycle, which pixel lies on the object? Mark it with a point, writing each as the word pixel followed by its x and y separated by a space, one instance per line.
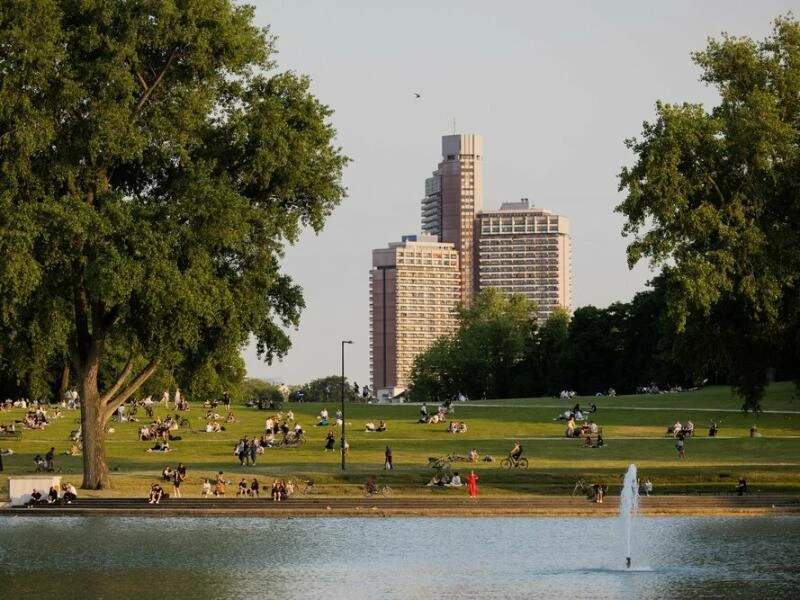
pixel 376 489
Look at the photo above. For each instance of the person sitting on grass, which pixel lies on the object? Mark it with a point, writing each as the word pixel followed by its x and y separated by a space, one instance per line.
pixel 472 455
pixel 369 427
pixel 371 487
pixel 587 442
pixel 167 473
pixel 381 426
pixel 455 481
pixel 600 442
pixel 205 491
pixel 243 491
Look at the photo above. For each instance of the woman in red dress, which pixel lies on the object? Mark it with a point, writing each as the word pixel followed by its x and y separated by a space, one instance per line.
pixel 472 484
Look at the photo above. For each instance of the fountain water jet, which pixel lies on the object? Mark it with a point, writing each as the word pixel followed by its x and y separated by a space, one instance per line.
pixel 628 505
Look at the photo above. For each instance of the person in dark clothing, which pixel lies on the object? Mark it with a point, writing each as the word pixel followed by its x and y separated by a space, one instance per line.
pixel 388 455
pixel 49 459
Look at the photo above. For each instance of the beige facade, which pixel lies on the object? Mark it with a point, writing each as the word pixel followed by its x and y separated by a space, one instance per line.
pixel 415 286
pixel 453 197
pixel 526 250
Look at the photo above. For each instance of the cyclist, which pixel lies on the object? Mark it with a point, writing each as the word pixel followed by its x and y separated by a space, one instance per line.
pixel 516 452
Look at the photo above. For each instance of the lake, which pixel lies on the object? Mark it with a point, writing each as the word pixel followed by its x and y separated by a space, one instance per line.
pixel 332 558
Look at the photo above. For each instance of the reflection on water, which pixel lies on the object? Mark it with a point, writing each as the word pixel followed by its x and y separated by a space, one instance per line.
pixel 397 558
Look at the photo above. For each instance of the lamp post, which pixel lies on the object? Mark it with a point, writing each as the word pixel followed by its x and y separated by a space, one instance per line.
pixel 344 450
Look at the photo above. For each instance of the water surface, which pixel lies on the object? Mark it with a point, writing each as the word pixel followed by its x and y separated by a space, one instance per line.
pixel 330 558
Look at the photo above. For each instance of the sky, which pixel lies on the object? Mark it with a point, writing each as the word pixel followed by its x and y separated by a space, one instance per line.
pixel 554 88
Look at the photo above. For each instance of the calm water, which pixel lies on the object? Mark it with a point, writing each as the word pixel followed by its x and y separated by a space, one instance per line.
pixel 398 558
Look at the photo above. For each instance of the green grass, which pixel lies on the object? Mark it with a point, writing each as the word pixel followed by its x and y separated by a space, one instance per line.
pixel 633 427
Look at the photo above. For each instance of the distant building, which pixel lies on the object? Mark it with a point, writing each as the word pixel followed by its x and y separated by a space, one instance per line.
pixel 415 286
pixel 528 251
pixel 453 197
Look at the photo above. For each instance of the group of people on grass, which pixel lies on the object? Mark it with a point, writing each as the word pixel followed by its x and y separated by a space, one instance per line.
pixel 323 418
pixel 440 416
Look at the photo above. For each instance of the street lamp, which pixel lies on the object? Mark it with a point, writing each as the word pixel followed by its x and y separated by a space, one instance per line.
pixel 344 450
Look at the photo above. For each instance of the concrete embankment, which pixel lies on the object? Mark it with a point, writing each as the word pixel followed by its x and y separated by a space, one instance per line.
pixel 386 506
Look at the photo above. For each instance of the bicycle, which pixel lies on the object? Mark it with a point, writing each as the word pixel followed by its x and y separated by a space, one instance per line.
pixel 380 489
pixel 581 486
pixel 516 463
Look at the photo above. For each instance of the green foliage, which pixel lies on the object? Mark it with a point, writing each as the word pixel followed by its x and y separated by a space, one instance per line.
pixel 716 197
pixel 484 354
pixel 153 166
pixel 253 390
pixel 326 389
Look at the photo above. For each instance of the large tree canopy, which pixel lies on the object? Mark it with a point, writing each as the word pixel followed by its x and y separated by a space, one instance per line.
pixel 714 199
pixel 483 356
pixel 153 165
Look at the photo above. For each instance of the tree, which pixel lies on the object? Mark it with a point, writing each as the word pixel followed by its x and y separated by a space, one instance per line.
pixel 325 389
pixel 153 166
pixel 552 343
pixel 715 197
pixel 484 354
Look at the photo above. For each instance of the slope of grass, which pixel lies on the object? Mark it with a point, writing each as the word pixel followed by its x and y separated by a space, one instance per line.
pixel 633 426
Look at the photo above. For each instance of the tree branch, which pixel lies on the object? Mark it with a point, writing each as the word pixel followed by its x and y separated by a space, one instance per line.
pixel 123 376
pixel 83 337
pixel 149 90
pixel 139 76
pixel 130 389
pixel 716 187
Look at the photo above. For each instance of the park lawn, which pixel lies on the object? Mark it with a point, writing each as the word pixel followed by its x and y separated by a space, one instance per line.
pixel 633 427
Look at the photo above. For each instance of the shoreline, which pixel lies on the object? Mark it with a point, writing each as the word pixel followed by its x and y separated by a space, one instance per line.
pixel 392 506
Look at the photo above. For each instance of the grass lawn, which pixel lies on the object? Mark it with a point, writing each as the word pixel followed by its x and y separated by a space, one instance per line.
pixel 633 427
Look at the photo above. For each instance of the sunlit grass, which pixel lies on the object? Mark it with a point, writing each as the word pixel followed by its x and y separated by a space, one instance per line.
pixel 633 426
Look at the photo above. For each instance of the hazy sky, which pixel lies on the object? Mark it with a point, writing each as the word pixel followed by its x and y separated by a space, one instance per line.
pixel 554 88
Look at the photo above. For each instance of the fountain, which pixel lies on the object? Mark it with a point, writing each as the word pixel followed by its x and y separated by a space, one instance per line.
pixel 628 504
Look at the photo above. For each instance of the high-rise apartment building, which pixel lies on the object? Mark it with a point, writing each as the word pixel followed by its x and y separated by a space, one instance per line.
pixel 528 251
pixel 453 197
pixel 415 286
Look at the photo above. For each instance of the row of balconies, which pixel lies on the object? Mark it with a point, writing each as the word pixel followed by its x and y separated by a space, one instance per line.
pixel 522 241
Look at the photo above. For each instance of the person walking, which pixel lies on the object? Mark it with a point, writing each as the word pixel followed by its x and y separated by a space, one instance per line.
pixel 680 446
pixel 388 455
pixel 472 484
pixel 176 484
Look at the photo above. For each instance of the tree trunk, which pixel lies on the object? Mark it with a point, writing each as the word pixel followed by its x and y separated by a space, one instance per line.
pixel 93 429
pixel 64 385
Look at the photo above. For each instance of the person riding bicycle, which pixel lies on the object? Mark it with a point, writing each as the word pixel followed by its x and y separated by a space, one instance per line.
pixel 516 452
